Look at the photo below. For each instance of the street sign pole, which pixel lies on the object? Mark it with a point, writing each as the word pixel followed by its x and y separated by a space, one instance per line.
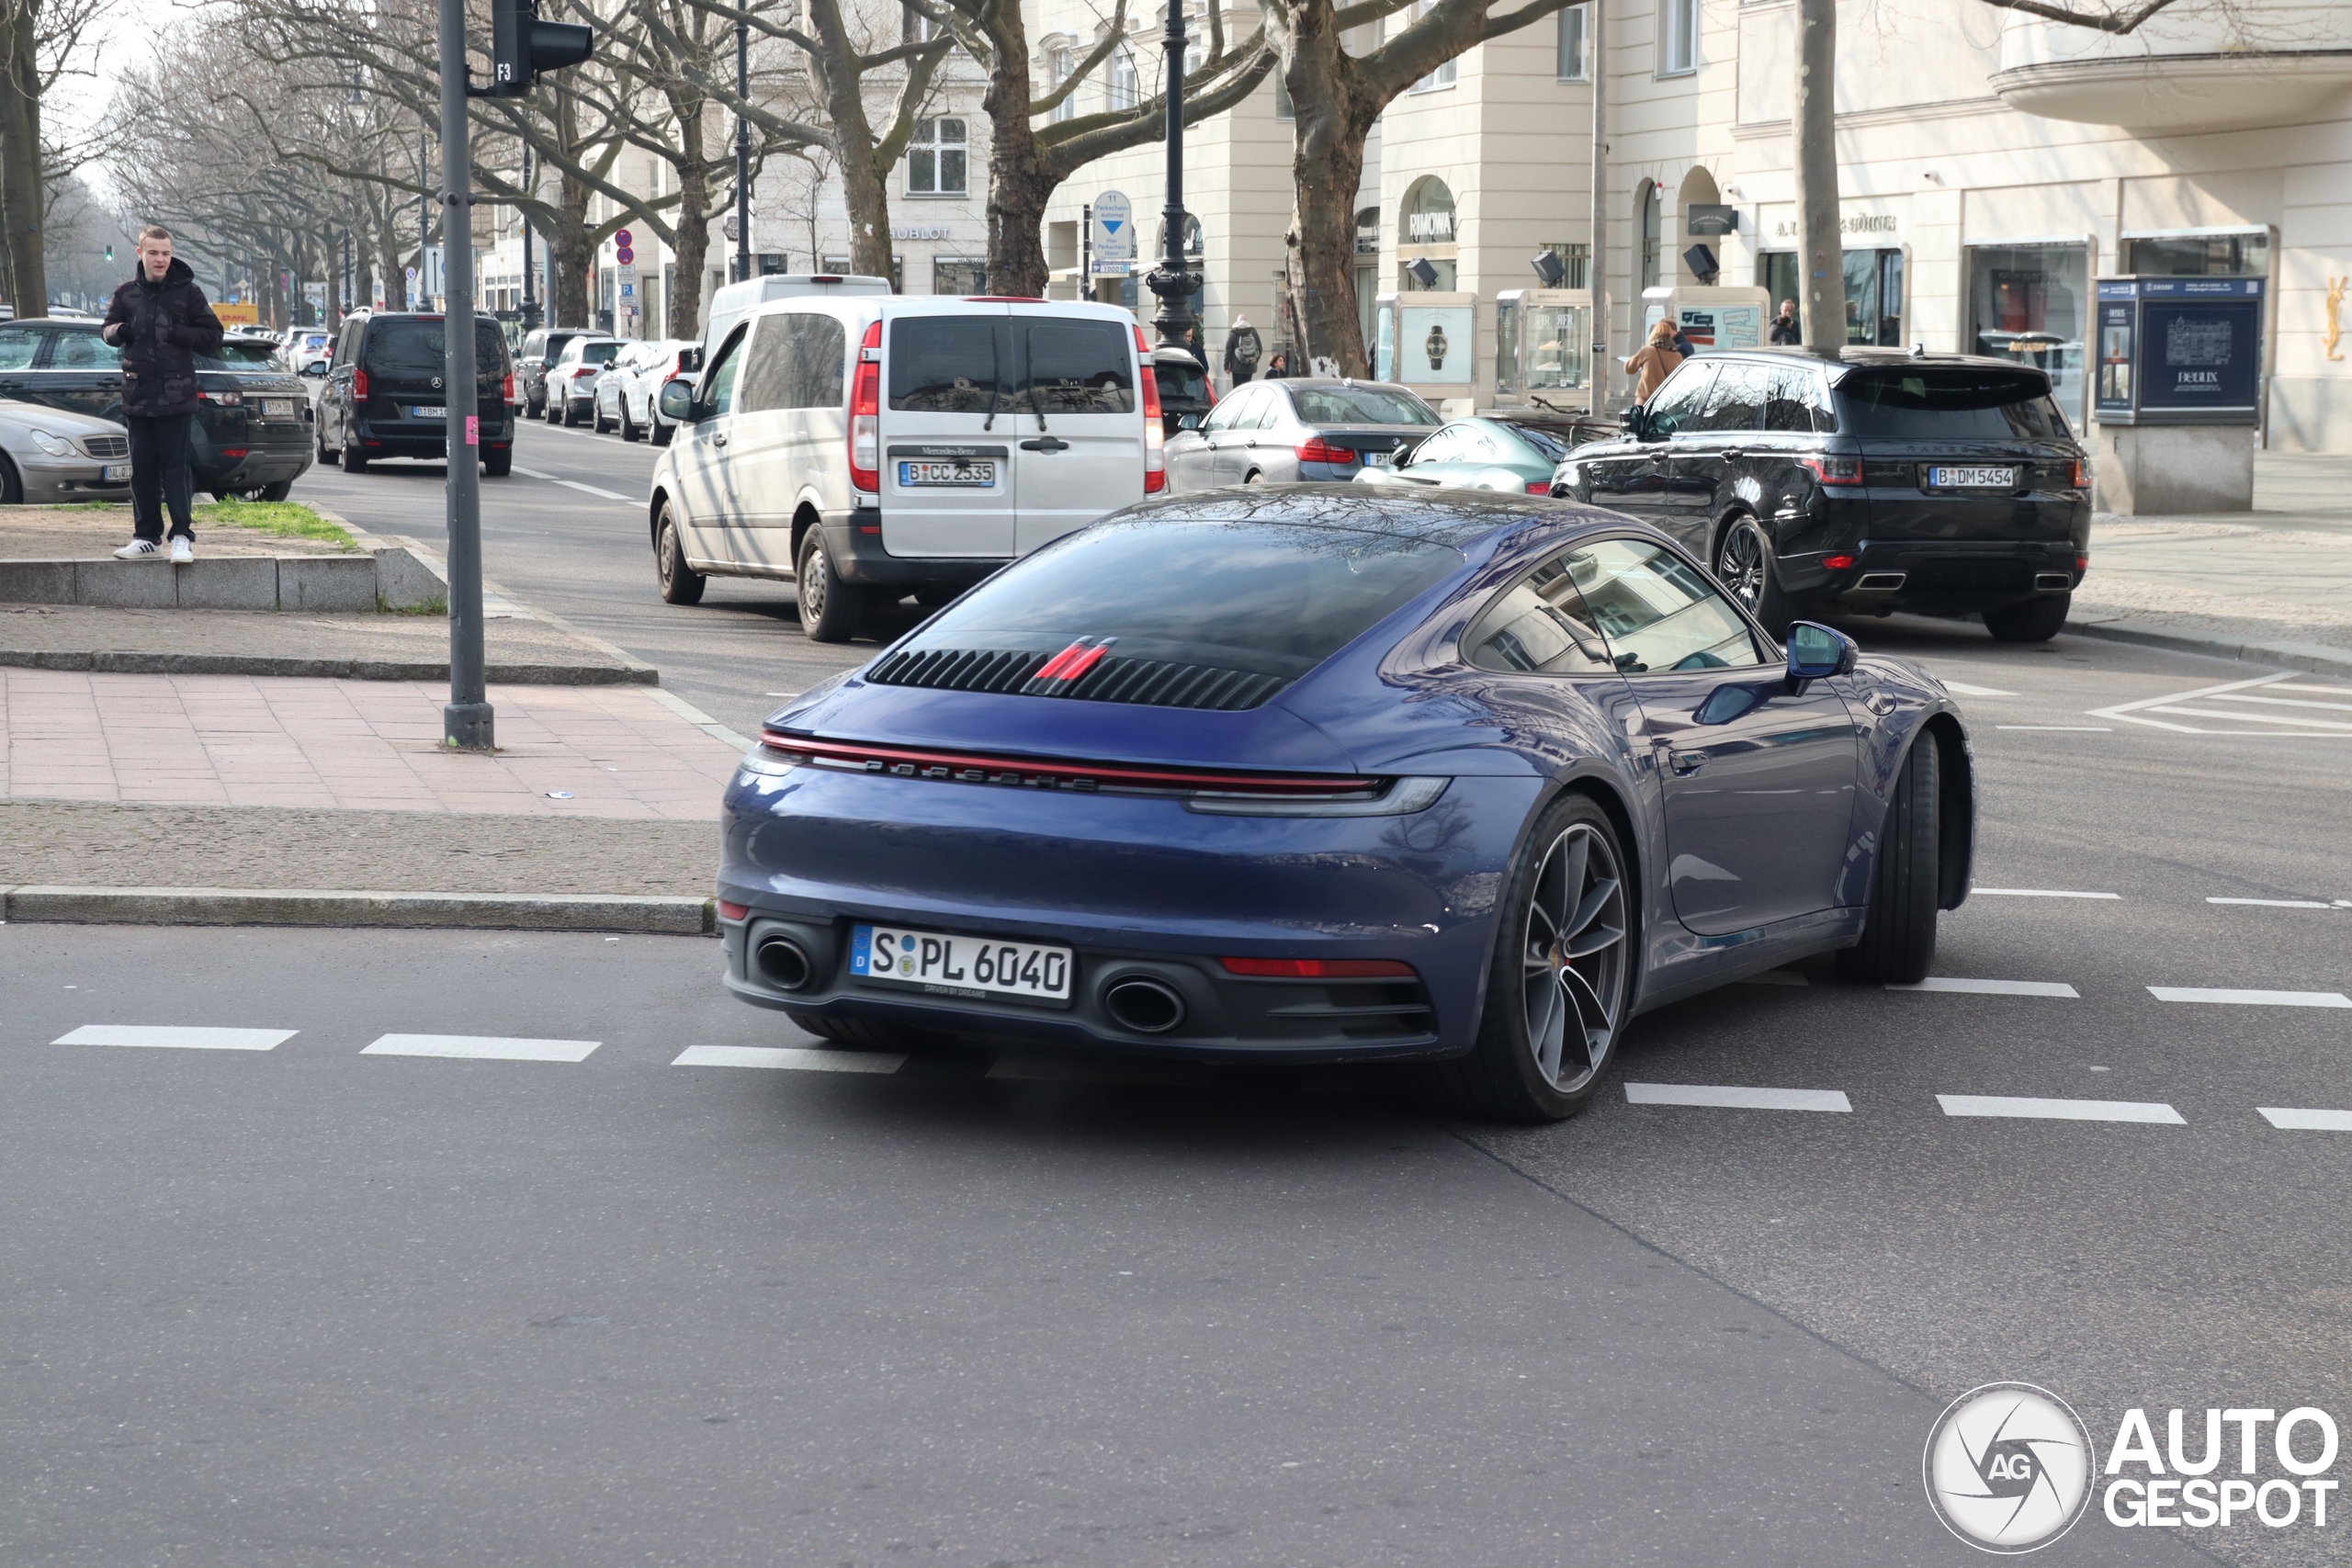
pixel 467 721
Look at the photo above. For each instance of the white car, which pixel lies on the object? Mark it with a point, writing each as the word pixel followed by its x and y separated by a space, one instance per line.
pixel 624 393
pixel 571 379
pixel 48 455
pixel 865 447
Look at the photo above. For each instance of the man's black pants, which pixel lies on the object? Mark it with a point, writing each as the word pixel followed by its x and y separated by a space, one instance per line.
pixel 159 473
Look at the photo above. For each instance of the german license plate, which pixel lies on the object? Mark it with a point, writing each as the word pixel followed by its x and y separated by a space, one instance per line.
pixel 420 411
pixel 978 475
pixel 1372 459
pixel 970 966
pixel 1971 479
pixel 115 474
pixel 278 408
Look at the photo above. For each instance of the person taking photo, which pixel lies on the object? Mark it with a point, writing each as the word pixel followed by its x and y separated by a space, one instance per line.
pixel 161 322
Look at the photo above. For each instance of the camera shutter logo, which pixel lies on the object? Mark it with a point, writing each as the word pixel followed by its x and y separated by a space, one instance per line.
pixel 2009 1468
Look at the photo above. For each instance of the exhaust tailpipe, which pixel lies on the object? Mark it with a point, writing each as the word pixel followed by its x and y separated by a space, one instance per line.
pixel 1143 1006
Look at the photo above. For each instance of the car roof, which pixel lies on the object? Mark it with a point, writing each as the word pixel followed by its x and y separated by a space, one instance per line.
pixel 1859 356
pixel 1459 518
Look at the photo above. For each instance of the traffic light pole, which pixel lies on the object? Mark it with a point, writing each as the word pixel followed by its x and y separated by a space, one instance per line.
pixel 467 722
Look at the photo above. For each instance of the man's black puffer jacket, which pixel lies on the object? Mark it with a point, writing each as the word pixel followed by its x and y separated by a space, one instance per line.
pixel 165 325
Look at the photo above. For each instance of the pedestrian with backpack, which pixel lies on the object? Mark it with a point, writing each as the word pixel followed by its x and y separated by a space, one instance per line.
pixel 1242 350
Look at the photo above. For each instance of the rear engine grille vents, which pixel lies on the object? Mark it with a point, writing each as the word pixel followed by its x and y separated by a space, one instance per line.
pixel 1146 683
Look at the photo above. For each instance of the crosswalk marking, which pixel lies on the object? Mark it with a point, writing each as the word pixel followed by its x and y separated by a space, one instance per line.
pixel 2289 1120
pixel 1730 1097
pixel 481 1047
pixel 1992 988
pixel 2250 999
pixel 2058 1110
pixel 2220 710
pixel 176 1037
pixel 790 1058
pixel 2035 893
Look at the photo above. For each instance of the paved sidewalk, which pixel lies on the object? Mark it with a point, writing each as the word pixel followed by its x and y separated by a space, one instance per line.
pixel 2281 573
pixel 226 740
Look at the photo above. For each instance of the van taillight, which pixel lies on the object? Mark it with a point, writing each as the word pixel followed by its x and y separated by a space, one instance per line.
pixel 359 385
pixel 506 389
pixel 865 413
pixel 1155 438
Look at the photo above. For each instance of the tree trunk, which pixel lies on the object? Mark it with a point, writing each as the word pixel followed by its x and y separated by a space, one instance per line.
pixel 388 250
pixel 23 193
pixel 1020 184
pixel 865 183
pixel 1821 263
pixel 569 253
pixel 1327 166
pixel 692 247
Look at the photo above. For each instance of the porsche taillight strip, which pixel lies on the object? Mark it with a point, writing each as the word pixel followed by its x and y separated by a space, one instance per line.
pixel 965 767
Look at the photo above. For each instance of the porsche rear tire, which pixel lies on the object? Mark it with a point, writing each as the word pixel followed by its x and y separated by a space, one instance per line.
pixel 1899 933
pixel 1561 980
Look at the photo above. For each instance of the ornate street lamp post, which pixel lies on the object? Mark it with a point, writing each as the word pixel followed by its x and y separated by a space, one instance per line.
pixel 1173 279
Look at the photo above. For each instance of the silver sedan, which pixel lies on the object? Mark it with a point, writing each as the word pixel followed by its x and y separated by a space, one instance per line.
pixel 48 454
pixel 1279 432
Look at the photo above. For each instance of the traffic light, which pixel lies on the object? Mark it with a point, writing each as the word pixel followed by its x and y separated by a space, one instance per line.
pixel 522 46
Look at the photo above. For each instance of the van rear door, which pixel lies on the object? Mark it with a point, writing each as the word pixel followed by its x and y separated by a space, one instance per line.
pixel 950 425
pixel 1081 453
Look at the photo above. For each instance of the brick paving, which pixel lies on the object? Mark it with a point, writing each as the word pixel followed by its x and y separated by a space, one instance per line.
pixel 228 741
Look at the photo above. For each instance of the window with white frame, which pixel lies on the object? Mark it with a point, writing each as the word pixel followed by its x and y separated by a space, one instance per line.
pixel 1445 75
pixel 1678 37
pixel 1574 48
pixel 937 158
pixel 1122 79
pixel 1058 65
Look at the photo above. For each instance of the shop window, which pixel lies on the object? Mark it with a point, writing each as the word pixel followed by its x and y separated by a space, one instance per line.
pixel 2029 304
pixel 958 275
pixel 2199 256
pixel 1874 297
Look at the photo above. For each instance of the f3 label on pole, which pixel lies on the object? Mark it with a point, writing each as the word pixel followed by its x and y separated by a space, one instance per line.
pixel 522 46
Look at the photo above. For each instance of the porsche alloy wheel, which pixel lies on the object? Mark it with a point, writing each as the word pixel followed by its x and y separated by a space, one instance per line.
pixel 1561 980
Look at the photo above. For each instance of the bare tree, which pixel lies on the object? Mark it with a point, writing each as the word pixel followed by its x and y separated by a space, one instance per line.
pixel 1821 265
pixel 2107 19
pixel 40 42
pixel 1336 96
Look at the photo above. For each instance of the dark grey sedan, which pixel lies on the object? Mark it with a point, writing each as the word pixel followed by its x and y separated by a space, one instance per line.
pixel 1279 432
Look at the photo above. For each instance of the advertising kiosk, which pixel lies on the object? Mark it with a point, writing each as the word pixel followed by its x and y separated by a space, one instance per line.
pixel 2177 393
pixel 1709 317
pixel 1428 340
pixel 1543 348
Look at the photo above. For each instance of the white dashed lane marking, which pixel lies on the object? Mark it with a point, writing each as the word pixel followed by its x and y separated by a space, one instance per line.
pixel 2034 893
pixel 791 1059
pixel 2250 999
pixel 176 1037
pixel 1965 689
pixel 2063 728
pixel 1992 988
pixel 575 484
pixel 2277 903
pixel 2303 1121
pixel 1732 1098
pixel 2058 1110
pixel 481 1047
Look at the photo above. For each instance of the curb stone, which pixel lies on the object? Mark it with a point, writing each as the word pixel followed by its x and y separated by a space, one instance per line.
pixel 135 663
pixel 634 913
pixel 2315 659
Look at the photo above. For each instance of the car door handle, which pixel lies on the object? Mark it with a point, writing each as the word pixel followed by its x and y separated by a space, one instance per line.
pixel 719 441
pixel 1045 443
pixel 1685 762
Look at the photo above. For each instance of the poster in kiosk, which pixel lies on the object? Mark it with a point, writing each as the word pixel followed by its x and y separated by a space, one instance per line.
pixel 2179 351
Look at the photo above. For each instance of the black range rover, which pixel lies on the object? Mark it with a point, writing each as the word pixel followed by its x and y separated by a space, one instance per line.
pixel 251 437
pixel 1876 481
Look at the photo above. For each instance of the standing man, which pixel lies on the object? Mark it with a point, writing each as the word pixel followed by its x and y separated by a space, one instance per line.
pixel 161 320
pixel 1241 350
pixel 1785 326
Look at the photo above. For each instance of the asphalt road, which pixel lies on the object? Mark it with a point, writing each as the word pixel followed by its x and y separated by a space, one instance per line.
pixel 316 1305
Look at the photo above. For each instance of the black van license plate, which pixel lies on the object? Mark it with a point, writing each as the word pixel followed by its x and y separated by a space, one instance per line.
pixel 978 475
pixel 1971 479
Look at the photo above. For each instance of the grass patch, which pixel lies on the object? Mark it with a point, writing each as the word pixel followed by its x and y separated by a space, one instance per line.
pixel 286 519
pixel 436 607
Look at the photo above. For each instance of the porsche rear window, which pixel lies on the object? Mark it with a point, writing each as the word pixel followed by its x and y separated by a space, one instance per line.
pixel 1272 600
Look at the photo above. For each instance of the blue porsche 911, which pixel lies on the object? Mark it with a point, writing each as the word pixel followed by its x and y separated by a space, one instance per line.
pixel 1288 775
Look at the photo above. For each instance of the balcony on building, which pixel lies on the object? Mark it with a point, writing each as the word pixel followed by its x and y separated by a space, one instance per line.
pixel 2194 69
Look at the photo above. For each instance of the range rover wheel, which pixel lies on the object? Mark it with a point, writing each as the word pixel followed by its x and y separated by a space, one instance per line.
pixel 681 584
pixel 1560 977
pixel 1899 933
pixel 829 606
pixel 1745 566
pixel 2031 620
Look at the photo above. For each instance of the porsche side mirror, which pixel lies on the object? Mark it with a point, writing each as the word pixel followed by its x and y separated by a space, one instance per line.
pixel 677 402
pixel 1816 652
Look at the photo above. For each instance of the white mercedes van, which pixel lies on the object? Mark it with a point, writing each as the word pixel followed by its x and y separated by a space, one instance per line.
pixel 868 447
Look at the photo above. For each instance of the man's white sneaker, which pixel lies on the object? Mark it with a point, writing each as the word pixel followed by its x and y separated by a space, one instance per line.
pixel 183 549
pixel 139 550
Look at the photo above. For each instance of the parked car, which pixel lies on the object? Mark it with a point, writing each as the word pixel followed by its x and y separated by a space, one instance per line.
pixel 1185 393
pixel 624 393
pixel 570 381
pixel 386 396
pixel 50 454
pixel 1874 482
pixel 1275 432
pixel 303 345
pixel 1514 455
pixel 541 348
pixel 872 445
pixel 1266 744
pixel 253 427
